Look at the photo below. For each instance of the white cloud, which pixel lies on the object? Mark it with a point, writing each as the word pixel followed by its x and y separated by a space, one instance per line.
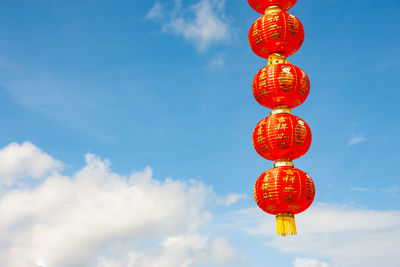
pixel 203 24
pixel 231 199
pixel 301 262
pixel 181 250
pixel 216 63
pixel 356 139
pixel 97 217
pixel 222 252
pixel 358 189
pixel 155 11
pixel 346 236
pixel 21 161
pixel 391 189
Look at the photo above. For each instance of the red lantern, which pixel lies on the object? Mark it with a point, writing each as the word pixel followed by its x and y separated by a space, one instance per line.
pixel 284 192
pixel 282 136
pixel 281 85
pixel 276 32
pixel 261 5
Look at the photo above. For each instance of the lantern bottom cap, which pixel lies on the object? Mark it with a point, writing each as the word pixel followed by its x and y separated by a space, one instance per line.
pixel 285 224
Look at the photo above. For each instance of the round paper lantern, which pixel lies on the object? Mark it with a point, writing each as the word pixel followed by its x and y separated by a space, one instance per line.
pixel 261 5
pixel 284 192
pixel 281 85
pixel 282 136
pixel 276 32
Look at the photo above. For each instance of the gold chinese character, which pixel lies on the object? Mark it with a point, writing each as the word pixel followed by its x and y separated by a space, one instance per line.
pixel 264 93
pixel 275 35
pixel 267 195
pixel 289 172
pixel 289 198
pixel 262 83
pixel 289 188
pixel 279 98
pixel 270 208
pixel 255 32
pixel 281 126
pixel 274 27
pixel 283 145
pixel 275 18
pixel 297 102
pixel 264 186
pixel 263 74
pixel 281 136
pixel 294 207
pixel 289 178
pixel 263 122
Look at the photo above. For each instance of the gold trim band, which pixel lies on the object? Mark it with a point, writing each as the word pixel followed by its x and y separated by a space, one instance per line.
pixel 280 215
pixel 281 109
pixel 283 163
pixel 276 58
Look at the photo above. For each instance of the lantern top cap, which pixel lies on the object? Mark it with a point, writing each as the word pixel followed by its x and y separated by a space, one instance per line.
pixel 276 58
pixel 283 163
pixel 281 109
pixel 273 10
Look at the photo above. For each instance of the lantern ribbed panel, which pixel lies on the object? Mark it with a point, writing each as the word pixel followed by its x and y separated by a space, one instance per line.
pixel 261 5
pixel 281 85
pixel 284 190
pixel 276 33
pixel 282 136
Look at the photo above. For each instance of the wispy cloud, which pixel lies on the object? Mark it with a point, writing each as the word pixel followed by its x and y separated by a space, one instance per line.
pixel 203 24
pixel 231 199
pixel 155 11
pixel 356 139
pixel 216 63
pixel 358 189
pixel 391 189
pixel 302 262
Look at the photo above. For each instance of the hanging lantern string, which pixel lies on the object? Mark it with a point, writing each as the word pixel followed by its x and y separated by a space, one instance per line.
pixel 281 137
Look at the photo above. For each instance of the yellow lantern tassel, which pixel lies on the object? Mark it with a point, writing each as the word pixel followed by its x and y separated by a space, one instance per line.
pixel 285 224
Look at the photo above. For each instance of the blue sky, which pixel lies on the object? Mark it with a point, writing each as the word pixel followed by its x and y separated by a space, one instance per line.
pixel 167 85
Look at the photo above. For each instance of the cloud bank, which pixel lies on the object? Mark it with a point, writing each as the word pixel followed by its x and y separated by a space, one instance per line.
pixel 99 218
